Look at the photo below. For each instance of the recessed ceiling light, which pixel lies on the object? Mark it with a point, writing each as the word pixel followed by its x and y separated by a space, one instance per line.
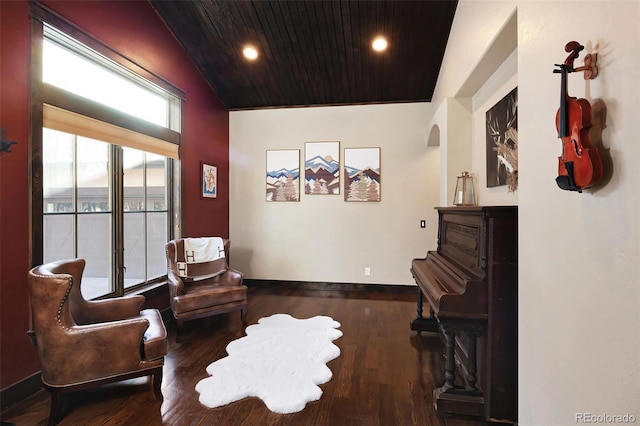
pixel 379 44
pixel 250 53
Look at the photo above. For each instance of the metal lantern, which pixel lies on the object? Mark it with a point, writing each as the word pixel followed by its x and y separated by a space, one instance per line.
pixel 465 194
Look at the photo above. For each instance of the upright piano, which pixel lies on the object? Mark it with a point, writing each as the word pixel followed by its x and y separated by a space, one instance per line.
pixel 471 285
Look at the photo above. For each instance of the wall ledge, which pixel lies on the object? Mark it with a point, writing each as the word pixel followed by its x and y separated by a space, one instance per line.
pixel 18 391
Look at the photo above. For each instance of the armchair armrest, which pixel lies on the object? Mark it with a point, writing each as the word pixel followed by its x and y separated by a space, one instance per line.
pixel 133 328
pixel 231 277
pixel 118 342
pixel 114 309
pixel 176 285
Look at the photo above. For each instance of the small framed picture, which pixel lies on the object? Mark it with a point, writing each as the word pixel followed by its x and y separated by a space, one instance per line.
pixel 209 181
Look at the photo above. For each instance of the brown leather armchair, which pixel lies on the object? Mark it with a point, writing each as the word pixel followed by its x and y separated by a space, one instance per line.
pixel 82 343
pixel 191 299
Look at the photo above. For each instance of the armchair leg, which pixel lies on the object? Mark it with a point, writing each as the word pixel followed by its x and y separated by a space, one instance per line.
pixel 157 383
pixel 243 316
pixel 58 399
pixel 56 408
pixel 179 328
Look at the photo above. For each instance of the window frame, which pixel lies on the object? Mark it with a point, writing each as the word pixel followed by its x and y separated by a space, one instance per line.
pixel 41 93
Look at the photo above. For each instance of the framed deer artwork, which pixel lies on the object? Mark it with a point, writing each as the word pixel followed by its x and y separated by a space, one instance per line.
pixel 502 142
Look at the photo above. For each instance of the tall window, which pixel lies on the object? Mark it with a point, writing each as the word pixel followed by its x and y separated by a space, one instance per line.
pixel 109 160
pixel 146 216
pixel 78 207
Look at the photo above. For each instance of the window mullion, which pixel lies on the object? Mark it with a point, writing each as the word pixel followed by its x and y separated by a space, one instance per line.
pixel 74 196
pixel 170 206
pixel 117 213
pixel 146 212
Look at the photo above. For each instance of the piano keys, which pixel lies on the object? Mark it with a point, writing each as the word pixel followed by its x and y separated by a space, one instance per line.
pixel 471 286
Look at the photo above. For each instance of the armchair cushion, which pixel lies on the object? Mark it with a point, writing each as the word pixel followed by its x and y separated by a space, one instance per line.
pixel 199 295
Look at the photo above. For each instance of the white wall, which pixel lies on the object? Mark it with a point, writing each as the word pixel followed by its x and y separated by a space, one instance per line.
pixel 476 26
pixel 499 84
pixel 579 270
pixel 482 37
pixel 579 253
pixel 322 238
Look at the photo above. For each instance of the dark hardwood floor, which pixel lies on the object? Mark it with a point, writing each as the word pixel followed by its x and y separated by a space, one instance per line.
pixel 384 375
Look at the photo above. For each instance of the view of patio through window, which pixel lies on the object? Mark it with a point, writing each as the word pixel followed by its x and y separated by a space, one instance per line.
pixel 145 216
pixel 79 217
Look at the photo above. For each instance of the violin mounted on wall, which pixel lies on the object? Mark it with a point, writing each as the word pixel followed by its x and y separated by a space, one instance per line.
pixel 580 165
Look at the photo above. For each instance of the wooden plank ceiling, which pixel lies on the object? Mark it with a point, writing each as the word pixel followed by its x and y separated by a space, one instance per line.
pixel 313 52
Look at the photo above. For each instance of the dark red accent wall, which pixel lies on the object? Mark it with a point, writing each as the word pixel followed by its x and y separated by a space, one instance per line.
pixel 18 358
pixel 133 29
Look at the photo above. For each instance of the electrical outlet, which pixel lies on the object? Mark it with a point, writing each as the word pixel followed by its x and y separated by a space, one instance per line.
pixel 367 271
pixel 423 223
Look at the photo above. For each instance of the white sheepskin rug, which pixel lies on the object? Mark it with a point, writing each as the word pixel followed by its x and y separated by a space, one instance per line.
pixel 281 360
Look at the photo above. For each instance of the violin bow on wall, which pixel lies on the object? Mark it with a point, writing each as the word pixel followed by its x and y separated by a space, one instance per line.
pixel 580 165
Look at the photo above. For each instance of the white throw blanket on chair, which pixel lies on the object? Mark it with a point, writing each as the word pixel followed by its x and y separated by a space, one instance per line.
pixel 198 251
pixel 204 249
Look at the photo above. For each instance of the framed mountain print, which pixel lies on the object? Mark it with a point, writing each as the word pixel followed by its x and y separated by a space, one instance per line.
pixel 283 175
pixel 322 168
pixel 362 174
